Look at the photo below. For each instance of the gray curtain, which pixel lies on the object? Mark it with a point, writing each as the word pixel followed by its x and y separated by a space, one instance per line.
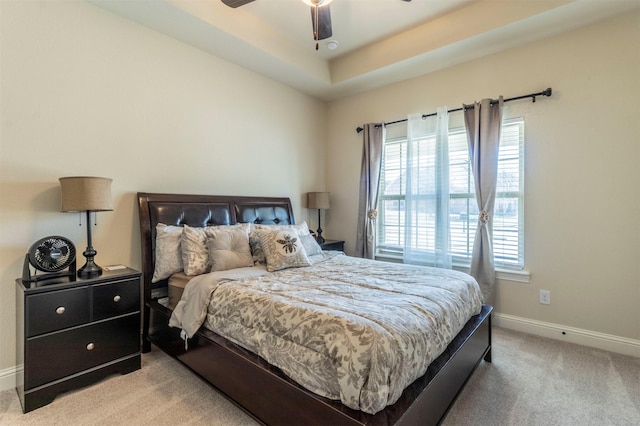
pixel 484 122
pixel 373 136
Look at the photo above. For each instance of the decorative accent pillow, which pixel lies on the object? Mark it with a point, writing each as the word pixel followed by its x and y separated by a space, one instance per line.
pixel 195 255
pixel 256 248
pixel 282 248
pixel 310 244
pixel 229 249
pixel 168 254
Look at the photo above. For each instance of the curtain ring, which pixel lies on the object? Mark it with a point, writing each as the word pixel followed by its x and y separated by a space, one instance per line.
pixel 373 214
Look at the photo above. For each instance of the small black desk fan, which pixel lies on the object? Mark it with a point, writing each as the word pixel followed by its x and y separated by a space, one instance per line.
pixel 50 255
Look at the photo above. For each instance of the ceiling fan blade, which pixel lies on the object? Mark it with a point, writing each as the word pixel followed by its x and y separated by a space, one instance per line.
pixel 236 3
pixel 324 21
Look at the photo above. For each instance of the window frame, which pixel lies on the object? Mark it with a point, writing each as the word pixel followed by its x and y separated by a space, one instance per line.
pixel 516 264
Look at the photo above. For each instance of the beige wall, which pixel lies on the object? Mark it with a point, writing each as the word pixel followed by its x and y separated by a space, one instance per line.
pixel 582 184
pixel 87 93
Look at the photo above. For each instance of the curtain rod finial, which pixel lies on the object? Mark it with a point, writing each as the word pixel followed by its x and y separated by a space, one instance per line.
pixel 359 129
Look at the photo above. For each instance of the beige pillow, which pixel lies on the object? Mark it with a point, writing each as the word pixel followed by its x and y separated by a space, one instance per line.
pixel 195 255
pixel 168 254
pixel 229 249
pixel 282 248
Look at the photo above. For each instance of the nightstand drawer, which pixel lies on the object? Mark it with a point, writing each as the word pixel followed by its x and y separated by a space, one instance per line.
pixel 56 355
pixel 56 310
pixel 117 298
pixel 333 245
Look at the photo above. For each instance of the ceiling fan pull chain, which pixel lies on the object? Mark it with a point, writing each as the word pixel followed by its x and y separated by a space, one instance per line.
pixel 316 29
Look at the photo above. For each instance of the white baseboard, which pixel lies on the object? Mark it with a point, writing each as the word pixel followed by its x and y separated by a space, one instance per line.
pixel 8 378
pixel 607 342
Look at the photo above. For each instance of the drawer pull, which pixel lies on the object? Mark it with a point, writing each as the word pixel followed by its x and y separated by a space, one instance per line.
pixel 116 298
pixel 60 310
pixel 90 346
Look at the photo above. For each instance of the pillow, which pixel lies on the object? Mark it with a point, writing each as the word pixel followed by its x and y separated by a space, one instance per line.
pixel 310 244
pixel 282 248
pixel 256 248
pixel 195 255
pixel 229 249
pixel 168 253
pixel 194 251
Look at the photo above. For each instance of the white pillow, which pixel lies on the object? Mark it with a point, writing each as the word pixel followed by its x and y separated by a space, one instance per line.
pixel 168 254
pixel 310 244
pixel 229 249
pixel 282 248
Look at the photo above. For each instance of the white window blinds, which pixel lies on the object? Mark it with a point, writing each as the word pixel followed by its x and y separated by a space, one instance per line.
pixel 508 233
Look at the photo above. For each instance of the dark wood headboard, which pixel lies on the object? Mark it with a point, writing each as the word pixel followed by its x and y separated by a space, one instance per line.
pixel 200 211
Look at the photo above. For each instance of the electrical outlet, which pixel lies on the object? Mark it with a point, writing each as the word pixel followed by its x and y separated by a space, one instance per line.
pixel 545 297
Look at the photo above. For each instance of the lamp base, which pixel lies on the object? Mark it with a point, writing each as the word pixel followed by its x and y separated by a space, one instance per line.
pixel 89 269
pixel 319 237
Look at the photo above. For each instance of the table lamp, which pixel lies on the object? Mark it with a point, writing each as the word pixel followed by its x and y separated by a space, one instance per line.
pixel 86 194
pixel 320 201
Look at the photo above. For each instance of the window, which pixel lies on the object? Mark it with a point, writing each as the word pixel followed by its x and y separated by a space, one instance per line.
pixel 508 244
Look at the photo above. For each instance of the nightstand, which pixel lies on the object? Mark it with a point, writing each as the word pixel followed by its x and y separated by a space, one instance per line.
pixel 332 245
pixel 73 333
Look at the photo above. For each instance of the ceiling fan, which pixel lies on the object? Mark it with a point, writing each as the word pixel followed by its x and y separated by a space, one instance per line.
pixel 320 16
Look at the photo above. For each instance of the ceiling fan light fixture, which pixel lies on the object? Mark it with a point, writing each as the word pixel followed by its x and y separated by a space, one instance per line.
pixel 320 19
pixel 318 3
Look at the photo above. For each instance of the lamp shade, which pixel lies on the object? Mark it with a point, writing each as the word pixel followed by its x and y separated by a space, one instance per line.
pixel 318 200
pixel 85 193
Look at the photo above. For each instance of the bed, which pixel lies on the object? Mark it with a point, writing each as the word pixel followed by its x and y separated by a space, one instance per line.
pixel 261 389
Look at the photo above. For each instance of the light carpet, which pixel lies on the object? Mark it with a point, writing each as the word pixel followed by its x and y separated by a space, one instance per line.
pixel 531 381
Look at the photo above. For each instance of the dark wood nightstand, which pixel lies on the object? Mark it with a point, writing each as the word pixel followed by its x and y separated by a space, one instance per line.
pixel 73 333
pixel 332 245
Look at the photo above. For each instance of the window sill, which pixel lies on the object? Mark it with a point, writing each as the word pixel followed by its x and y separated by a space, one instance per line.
pixel 516 276
pixel 501 274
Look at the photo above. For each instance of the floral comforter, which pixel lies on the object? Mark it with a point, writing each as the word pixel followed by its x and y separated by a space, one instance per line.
pixel 346 328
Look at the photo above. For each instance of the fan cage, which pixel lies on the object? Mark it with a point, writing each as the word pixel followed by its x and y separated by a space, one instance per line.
pixel 52 254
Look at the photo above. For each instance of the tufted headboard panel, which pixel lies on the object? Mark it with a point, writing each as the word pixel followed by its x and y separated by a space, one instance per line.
pixel 272 213
pixel 200 211
pixel 192 214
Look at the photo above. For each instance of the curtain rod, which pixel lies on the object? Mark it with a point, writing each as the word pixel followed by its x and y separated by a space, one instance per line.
pixel 530 95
